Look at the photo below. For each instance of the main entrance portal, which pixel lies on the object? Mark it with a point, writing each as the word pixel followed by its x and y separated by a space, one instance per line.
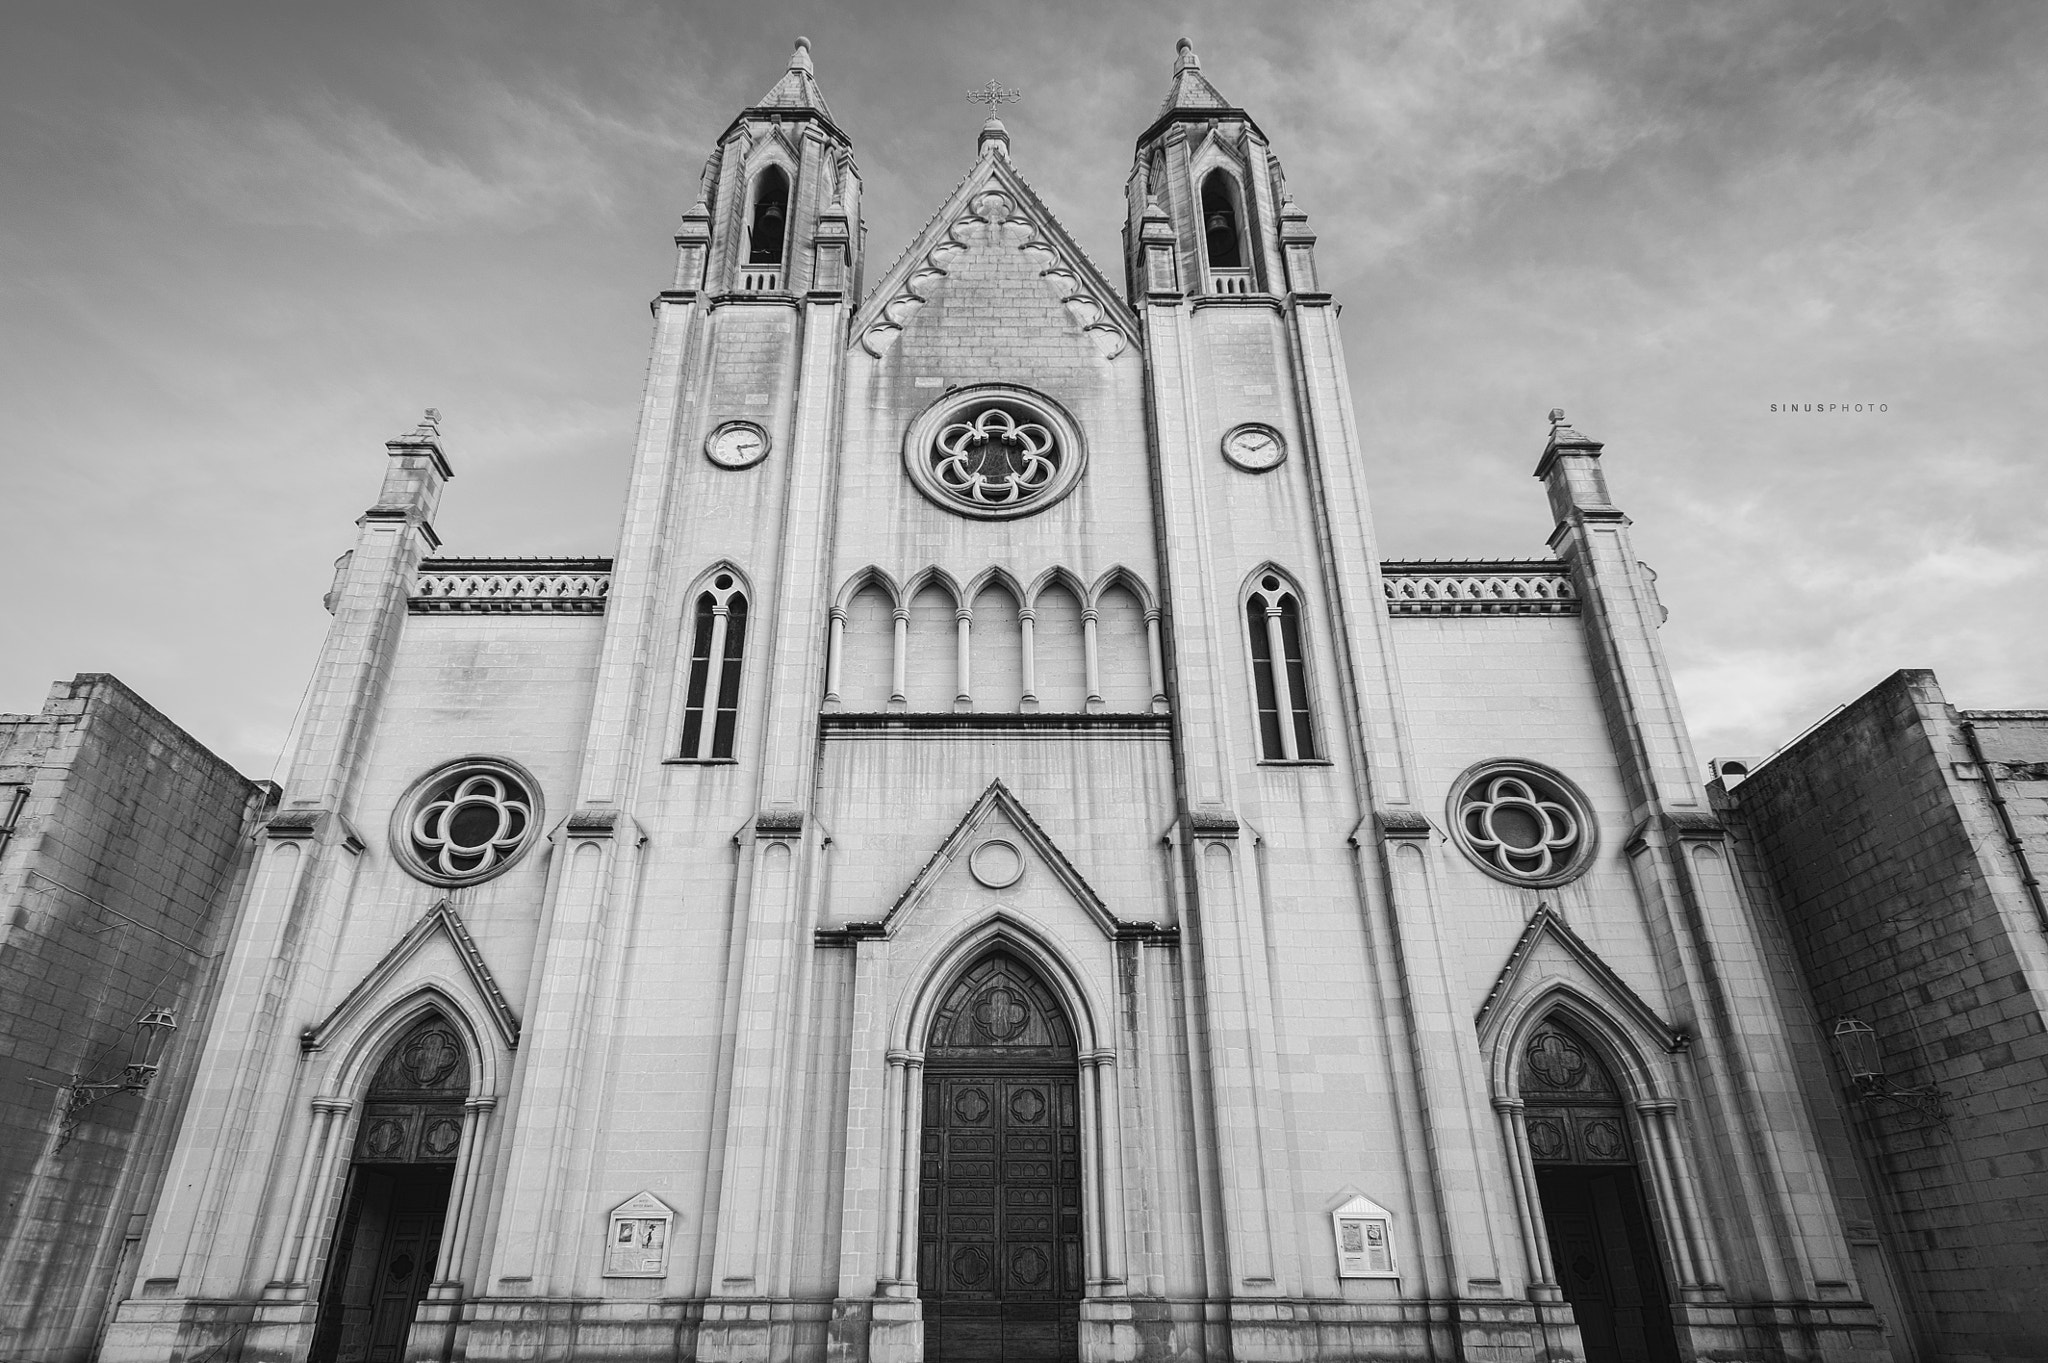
pixel 999 1201
pixel 1592 1201
pixel 389 1236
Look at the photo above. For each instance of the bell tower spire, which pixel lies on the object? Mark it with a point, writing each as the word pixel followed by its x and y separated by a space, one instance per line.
pixel 1206 168
pixel 778 198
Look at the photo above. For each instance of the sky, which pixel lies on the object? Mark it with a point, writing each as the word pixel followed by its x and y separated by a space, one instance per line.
pixel 242 245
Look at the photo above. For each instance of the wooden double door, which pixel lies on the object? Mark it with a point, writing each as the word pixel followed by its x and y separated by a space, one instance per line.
pixel 384 1253
pixel 1000 1266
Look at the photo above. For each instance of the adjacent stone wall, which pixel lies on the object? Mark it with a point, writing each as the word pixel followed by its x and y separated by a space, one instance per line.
pixel 113 885
pixel 1905 910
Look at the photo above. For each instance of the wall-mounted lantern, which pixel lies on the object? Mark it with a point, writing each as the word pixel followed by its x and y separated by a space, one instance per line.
pixel 145 1057
pixel 1856 1043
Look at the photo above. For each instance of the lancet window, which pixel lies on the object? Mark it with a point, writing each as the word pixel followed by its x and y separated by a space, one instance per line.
pixel 1279 671
pixel 712 695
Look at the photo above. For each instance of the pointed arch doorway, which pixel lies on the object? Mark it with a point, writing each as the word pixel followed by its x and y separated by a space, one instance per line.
pixel 388 1238
pixel 1000 1264
pixel 1592 1197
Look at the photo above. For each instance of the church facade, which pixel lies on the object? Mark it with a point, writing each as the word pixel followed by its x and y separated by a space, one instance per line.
pixel 995 867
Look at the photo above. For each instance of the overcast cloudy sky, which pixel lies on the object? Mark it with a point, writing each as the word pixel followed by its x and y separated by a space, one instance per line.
pixel 243 244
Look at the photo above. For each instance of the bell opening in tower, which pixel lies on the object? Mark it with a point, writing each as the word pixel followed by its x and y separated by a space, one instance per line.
pixel 1220 234
pixel 768 224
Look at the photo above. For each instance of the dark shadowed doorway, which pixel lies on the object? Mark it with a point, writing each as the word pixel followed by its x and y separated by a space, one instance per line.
pixel 1592 1197
pixel 389 1235
pixel 999 1202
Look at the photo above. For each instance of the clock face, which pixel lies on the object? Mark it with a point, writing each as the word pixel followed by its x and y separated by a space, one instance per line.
pixel 737 445
pixel 1254 447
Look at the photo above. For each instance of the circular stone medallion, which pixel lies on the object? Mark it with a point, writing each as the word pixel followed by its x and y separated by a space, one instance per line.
pixel 1254 447
pixel 996 863
pixel 736 445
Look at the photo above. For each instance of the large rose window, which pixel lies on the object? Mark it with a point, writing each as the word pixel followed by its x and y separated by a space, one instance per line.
pixel 993 451
pixel 1521 823
pixel 466 823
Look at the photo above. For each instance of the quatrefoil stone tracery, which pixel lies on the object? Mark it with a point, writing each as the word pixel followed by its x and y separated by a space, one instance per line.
pixel 473 828
pixel 1518 830
pixel 467 822
pixel 1522 823
pixel 994 459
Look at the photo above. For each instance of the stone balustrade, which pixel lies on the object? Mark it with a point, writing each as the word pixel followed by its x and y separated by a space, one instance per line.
pixel 511 586
pixel 1540 587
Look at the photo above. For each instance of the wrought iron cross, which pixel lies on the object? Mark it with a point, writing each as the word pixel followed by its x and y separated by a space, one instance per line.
pixel 994 94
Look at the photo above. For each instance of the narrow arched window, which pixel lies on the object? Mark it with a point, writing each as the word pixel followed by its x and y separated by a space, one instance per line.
pixel 1279 671
pixel 712 697
pixel 768 223
pixel 1220 229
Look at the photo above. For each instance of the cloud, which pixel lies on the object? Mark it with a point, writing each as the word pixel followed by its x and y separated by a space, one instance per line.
pixel 329 162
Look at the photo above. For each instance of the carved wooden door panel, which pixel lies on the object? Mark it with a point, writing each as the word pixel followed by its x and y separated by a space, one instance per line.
pixel 999 1264
pixel 402 1276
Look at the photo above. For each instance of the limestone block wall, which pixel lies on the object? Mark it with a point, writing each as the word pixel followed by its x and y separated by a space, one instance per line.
pixel 1484 687
pixel 1903 908
pixel 117 884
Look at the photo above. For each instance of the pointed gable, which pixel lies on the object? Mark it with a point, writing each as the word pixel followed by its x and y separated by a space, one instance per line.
pixel 1549 953
pixel 441 931
pixel 994 223
pixel 996 842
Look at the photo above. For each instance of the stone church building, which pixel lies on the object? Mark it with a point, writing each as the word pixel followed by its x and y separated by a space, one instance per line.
pixel 995 867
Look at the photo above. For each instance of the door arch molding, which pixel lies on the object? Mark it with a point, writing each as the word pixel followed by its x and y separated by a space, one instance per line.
pixel 1101 1126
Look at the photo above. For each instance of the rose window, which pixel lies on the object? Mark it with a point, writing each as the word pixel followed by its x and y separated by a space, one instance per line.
pixel 1522 824
pixel 995 459
pixel 993 451
pixel 466 824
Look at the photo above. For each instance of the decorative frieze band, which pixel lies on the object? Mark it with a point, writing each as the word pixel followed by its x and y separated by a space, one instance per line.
pixel 1539 587
pixel 511 586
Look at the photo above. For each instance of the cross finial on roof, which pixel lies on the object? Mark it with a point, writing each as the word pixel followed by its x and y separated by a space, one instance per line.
pixel 994 94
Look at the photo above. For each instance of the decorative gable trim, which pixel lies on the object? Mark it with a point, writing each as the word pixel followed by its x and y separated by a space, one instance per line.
pixel 957 844
pixel 442 918
pixel 994 193
pixel 1547 923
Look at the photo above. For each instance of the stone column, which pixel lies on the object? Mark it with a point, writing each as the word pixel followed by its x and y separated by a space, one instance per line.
pixel 1092 670
pixel 324 1112
pixel 963 658
pixel 1099 1075
pixel 1091 1182
pixel 913 1133
pixel 338 1131
pixel 900 661
pixel 835 649
pixel 1514 1131
pixel 1155 660
pixel 1026 626
pixel 462 1208
pixel 892 1171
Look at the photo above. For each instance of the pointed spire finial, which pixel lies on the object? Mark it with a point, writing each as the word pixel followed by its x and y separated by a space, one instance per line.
pixel 1185 58
pixel 800 58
